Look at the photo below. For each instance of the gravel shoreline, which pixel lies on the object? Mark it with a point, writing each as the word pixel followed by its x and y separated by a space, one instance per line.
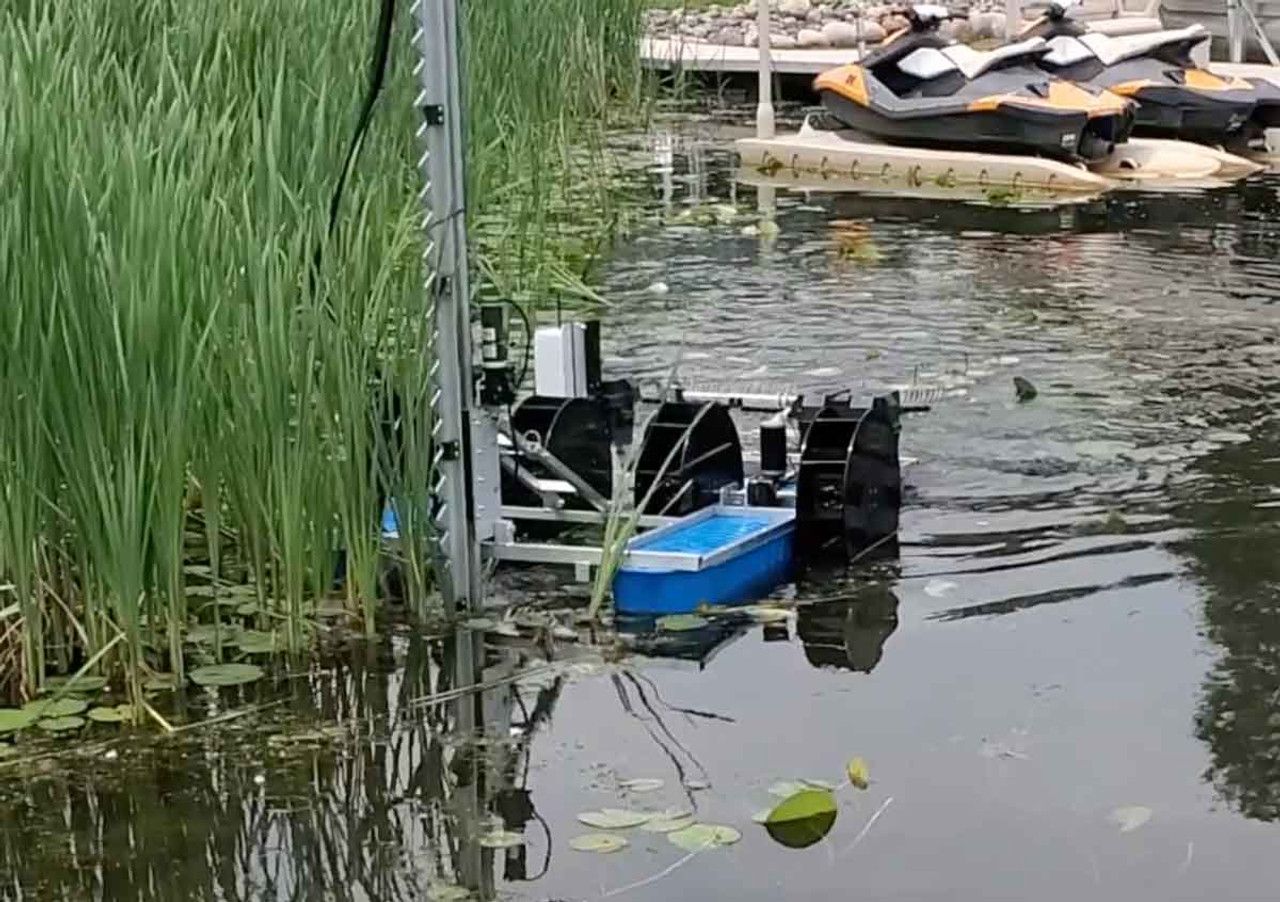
pixel 813 23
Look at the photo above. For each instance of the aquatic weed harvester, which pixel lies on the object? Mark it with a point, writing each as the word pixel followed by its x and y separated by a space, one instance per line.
pixel 516 476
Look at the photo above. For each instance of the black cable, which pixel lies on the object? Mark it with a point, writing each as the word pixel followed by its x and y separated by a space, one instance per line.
pixel 528 341
pixel 377 79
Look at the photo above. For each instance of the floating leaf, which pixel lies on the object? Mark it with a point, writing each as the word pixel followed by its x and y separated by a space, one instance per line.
pixel 642 785
pixel 859 776
pixel 680 623
pixel 669 822
pixel 598 842
pixel 13 719
pixel 501 839
pixel 449 893
pixel 79 684
pixel 785 789
pixel 63 707
pixel 819 784
pixel 226 674
pixel 697 837
pixel 939 588
pixel 614 818
pixel 111 714
pixel 160 682
pixel 255 642
pixel 207 633
pixel 1130 817
pixel 61 724
pixel 803 819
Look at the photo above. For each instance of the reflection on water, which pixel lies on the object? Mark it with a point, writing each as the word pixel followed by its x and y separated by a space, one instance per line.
pixel 1082 615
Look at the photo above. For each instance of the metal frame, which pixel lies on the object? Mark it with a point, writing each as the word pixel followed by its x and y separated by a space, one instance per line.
pixel 465 491
pixel 1241 20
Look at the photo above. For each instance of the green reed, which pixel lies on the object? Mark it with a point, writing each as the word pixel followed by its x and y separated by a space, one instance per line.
pixel 193 397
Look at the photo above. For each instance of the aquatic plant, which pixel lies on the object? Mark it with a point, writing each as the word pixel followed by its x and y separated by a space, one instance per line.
pixel 208 386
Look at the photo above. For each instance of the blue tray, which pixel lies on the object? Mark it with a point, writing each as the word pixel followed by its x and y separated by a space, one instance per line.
pixel 719 555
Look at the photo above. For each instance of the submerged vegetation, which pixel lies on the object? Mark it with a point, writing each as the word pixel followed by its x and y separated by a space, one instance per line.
pixel 209 389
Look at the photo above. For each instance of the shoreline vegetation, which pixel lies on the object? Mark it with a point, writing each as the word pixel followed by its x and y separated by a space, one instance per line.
pixel 207 392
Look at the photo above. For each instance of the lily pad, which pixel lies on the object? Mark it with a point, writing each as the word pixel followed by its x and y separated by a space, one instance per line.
pixel 602 843
pixel 206 633
pixel 785 789
pixel 448 892
pixel 79 684
pixel 642 785
pixel 226 674
pixel 680 623
pixel 669 822
pixel 697 837
pixel 255 642
pixel 501 839
pixel 14 719
pixel 803 819
pixel 111 714
pixel 61 724
pixel 160 682
pixel 63 707
pixel 859 776
pixel 1130 817
pixel 615 818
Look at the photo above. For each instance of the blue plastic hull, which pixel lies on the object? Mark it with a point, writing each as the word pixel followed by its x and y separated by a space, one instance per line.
pixel 731 556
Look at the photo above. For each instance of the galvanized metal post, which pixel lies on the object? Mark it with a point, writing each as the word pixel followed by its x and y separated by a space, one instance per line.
pixel 457 558
pixel 764 106
pixel 1012 18
pixel 1235 32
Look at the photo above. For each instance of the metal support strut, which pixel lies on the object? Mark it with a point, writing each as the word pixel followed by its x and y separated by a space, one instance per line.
pixel 461 478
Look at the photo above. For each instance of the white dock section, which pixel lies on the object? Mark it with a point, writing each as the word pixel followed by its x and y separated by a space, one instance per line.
pixel 816 160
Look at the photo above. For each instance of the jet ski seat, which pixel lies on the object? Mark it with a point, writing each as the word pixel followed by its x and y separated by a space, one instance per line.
pixel 1114 50
pixel 1067 51
pixel 926 64
pixel 974 62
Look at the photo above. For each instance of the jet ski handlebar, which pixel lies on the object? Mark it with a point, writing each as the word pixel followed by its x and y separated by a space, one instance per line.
pixel 1055 9
pixel 927 15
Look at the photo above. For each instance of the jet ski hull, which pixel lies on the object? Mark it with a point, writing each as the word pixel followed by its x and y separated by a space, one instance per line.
pixel 1267 112
pixel 1174 112
pixel 1067 135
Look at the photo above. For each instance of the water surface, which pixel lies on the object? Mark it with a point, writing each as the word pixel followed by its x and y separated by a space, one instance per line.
pixel 1082 616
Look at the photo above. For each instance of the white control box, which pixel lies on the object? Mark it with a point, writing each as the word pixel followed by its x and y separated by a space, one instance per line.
pixel 560 361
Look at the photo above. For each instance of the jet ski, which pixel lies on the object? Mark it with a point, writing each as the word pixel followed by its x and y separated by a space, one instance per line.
pixel 919 88
pixel 1176 98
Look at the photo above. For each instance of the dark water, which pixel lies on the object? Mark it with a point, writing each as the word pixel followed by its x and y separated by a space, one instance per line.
pixel 1081 629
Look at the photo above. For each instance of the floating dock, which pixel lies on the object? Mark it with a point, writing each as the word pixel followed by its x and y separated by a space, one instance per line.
pixel 818 160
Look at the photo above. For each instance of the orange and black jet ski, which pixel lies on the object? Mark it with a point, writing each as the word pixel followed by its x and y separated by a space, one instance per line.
pixel 1175 97
pixel 920 88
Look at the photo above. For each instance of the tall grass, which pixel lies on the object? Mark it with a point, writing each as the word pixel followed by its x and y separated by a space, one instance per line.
pixel 191 407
